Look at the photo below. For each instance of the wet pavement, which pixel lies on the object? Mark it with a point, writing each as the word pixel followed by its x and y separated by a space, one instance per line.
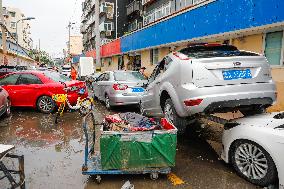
pixel 54 155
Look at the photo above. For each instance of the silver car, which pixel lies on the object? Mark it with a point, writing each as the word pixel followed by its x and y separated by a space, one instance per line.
pixel 208 78
pixel 119 87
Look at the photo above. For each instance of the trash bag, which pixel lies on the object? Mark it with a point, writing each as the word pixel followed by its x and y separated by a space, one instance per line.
pixel 130 122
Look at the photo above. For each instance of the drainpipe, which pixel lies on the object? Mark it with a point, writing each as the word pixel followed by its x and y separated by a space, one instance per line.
pixel 98 33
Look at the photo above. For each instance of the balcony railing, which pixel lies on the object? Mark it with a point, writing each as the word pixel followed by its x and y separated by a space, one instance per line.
pixel 157 13
pixel 133 6
pixel 105 41
pixel 165 10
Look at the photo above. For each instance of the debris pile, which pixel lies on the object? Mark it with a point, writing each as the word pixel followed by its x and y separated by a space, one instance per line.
pixel 130 122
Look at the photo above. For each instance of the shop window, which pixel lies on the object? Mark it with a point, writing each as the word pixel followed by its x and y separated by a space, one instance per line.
pixel 273 48
pixel 120 63
pixel 154 56
pixel 13 25
pixel 13 14
pixel 109 60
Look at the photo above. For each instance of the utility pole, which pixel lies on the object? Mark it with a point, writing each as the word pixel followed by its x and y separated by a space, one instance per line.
pixel 116 15
pixel 4 37
pixel 98 33
pixel 39 50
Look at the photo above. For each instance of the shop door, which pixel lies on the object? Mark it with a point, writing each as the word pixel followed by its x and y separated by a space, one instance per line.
pixel 273 47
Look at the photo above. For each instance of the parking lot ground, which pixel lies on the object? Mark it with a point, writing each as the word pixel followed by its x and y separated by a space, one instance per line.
pixel 54 155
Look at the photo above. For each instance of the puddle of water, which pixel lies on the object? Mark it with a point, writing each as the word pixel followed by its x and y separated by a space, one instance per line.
pixel 54 155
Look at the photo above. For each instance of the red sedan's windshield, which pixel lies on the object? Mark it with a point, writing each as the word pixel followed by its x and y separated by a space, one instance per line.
pixel 57 77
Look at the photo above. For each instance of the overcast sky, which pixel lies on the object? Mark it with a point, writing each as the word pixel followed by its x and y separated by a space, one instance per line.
pixel 50 25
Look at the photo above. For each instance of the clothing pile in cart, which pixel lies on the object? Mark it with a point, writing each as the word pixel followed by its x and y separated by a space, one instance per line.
pixel 130 122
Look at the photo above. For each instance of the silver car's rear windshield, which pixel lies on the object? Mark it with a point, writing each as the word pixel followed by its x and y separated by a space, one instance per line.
pixel 128 76
pixel 57 77
pixel 215 51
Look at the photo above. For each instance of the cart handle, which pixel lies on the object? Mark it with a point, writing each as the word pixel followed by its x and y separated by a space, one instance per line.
pixel 84 124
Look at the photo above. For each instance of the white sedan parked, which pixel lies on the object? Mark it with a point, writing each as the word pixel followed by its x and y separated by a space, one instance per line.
pixel 255 148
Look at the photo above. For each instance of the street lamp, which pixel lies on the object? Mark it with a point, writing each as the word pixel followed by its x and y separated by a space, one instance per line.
pixel 69 36
pixel 27 18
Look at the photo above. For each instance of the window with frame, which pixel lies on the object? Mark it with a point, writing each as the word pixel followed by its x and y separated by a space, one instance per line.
pixel 13 25
pixel 101 77
pixel 14 35
pixel 154 56
pixel 274 48
pixel 26 79
pixel 109 26
pixel 9 80
pixel 13 14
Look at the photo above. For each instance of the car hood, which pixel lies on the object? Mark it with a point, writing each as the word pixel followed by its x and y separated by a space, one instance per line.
pixel 273 120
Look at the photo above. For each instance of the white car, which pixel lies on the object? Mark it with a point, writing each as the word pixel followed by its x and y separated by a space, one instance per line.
pixel 255 148
pixel 66 70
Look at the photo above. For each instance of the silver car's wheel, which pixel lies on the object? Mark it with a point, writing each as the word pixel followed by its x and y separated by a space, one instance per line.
pixel 107 102
pixel 253 163
pixel 45 104
pixel 169 114
pixel 172 116
pixel 141 109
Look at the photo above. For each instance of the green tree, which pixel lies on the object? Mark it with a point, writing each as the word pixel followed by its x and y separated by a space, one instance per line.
pixel 41 56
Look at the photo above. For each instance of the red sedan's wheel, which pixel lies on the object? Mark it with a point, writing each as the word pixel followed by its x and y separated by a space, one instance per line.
pixel 45 104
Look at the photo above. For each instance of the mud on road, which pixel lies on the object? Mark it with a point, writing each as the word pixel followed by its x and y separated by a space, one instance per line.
pixel 54 155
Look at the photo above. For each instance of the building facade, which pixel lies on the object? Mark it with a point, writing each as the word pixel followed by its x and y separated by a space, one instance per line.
pixel 169 25
pixel 15 56
pixel 115 20
pixel 20 31
pixel 107 22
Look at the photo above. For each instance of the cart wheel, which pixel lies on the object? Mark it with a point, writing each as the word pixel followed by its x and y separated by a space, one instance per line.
pixel 98 179
pixel 154 176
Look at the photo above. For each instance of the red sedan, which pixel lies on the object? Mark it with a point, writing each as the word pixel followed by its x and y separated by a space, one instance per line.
pixel 35 89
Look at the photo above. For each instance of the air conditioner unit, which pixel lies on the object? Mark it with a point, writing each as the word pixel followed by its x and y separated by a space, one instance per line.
pixel 110 15
pixel 108 33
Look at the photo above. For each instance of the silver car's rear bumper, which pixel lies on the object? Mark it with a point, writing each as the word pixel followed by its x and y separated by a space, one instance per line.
pixel 122 99
pixel 219 97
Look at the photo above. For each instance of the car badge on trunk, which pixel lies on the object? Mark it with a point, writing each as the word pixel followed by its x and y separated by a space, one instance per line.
pixel 237 64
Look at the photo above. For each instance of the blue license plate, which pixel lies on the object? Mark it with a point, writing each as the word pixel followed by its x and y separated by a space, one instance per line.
pixel 137 90
pixel 81 91
pixel 237 74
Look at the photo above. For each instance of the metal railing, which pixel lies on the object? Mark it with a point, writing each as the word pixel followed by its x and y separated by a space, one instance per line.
pixel 132 7
pixel 166 10
pixel 157 13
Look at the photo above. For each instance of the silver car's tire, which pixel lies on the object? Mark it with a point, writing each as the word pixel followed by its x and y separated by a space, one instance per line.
pixel 141 109
pixel 45 104
pixel 107 102
pixel 253 163
pixel 172 116
pixel 8 108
